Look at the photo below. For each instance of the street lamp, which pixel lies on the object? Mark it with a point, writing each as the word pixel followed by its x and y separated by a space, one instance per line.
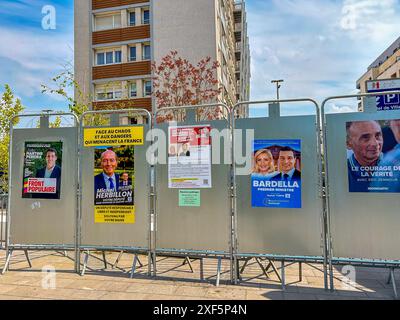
pixel 278 86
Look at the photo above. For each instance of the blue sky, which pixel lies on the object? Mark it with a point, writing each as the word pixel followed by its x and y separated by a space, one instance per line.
pixel 320 47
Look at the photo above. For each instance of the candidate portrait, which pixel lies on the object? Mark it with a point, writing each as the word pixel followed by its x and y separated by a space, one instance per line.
pixel 107 180
pixel 50 171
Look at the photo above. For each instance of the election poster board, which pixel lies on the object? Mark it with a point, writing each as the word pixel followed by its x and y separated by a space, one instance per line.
pixel 276 174
pixel 373 156
pixel 42 170
pixel 114 172
pixel 189 157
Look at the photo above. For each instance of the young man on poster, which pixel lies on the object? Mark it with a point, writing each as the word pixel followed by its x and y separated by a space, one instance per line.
pixel 365 139
pixel 287 166
pixel 108 179
pixel 50 171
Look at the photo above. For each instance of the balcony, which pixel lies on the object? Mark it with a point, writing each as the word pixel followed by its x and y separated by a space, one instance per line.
pixel 121 70
pixel 139 103
pixel 103 4
pixel 121 34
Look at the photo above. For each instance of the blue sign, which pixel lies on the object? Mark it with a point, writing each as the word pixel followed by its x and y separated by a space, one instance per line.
pixel 389 101
pixel 276 174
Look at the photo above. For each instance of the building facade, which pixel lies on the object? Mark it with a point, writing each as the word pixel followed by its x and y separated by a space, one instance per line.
pixel 386 66
pixel 116 41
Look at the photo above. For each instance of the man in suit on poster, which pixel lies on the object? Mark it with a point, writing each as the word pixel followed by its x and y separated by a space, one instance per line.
pixel 108 179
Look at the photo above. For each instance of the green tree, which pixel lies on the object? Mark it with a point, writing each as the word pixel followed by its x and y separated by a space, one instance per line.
pixel 9 108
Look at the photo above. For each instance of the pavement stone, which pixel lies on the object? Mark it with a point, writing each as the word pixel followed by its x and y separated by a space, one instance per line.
pixel 176 281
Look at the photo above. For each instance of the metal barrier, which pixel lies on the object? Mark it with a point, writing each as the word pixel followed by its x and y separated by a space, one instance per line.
pixel 194 216
pixel 122 223
pixel 278 229
pixel 42 206
pixel 362 218
pixel 3 215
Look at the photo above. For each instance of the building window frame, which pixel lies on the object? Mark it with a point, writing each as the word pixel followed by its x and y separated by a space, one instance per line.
pixel 145 16
pixel 132 22
pixel 108 57
pixel 133 90
pixel 147 88
pixel 132 59
pixel 146 51
pixel 115 25
pixel 109 94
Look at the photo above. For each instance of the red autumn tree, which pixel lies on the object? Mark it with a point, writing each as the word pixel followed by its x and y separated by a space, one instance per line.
pixel 177 82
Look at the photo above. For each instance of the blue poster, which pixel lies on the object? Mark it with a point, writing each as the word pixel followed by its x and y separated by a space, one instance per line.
pixel 276 174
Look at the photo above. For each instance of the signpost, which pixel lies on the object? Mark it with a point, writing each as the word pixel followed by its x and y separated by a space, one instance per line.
pixel 385 102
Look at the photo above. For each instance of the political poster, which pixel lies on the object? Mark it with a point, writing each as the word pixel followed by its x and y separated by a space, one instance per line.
pixel 189 157
pixel 42 170
pixel 114 181
pixel 276 174
pixel 373 156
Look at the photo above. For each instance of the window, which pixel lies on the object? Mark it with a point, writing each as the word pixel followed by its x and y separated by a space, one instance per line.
pixel 108 22
pixel 109 93
pixel 146 52
pixel 100 59
pixel 118 56
pixel 147 88
pixel 146 17
pixel 133 91
pixel 109 57
pixel 132 54
pixel 132 19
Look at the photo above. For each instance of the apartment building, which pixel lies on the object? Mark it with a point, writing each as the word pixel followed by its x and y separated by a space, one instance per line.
pixel 116 41
pixel 386 66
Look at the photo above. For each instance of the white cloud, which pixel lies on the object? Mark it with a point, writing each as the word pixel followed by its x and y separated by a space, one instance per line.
pixel 37 56
pixel 370 19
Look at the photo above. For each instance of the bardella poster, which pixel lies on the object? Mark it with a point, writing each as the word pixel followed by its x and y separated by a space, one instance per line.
pixel 114 184
pixel 373 156
pixel 42 170
pixel 189 157
pixel 276 174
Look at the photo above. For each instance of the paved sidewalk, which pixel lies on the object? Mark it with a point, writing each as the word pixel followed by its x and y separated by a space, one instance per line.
pixel 175 281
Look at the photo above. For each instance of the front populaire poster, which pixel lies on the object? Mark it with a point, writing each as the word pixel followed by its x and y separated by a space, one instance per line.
pixel 42 170
pixel 276 174
pixel 373 156
pixel 189 157
pixel 114 181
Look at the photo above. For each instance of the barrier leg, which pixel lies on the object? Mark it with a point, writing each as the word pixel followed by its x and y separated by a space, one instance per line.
pixel 394 283
pixel 150 264
pixel 218 271
pixel 7 263
pixel 140 263
pixel 187 259
pixel 262 268
pixel 85 262
pixel 244 265
pixel 27 258
pixel 117 260
pixel 271 264
pixel 65 253
pixel 300 272
pixel 283 276
pixel 154 264
pixel 389 280
pixel 104 259
pixel 239 276
pixel 135 259
pixel 201 269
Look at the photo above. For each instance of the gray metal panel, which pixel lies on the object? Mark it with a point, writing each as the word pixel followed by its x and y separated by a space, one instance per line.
pixel 203 228
pixel 363 225
pixel 44 221
pixel 116 235
pixel 280 231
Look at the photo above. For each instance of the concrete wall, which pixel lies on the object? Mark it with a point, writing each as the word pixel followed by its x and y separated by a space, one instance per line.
pixel 188 26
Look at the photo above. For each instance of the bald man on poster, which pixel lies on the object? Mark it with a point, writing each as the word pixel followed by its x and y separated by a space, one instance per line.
pixel 107 180
pixel 365 139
